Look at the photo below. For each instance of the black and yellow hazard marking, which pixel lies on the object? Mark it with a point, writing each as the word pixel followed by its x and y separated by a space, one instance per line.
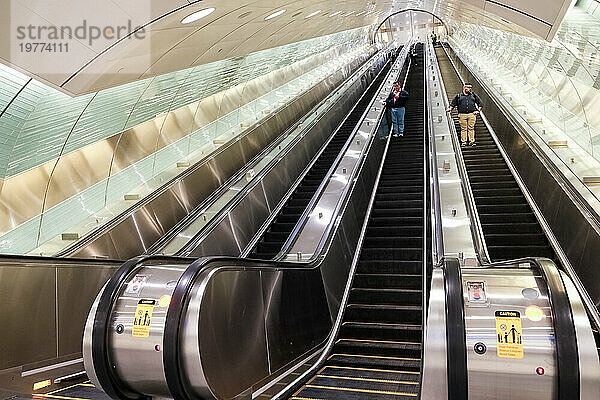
pixel 79 391
pixel 509 334
pixel 142 317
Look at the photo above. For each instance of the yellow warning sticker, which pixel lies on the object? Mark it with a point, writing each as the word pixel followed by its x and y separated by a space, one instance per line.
pixel 509 334
pixel 141 320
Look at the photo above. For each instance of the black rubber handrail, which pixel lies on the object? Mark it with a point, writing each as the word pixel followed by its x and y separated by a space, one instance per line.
pixel 567 354
pixel 171 348
pixel 456 356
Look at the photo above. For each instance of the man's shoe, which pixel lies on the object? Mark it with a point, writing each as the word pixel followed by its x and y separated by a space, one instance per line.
pixel 472 144
pixel 395 135
pixel 401 134
pixel 463 144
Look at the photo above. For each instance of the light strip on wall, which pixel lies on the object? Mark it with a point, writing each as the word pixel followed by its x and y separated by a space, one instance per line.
pixel 275 14
pixel 197 15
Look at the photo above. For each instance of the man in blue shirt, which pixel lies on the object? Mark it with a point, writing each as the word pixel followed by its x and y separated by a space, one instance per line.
pixel 469 106
pixel 396 102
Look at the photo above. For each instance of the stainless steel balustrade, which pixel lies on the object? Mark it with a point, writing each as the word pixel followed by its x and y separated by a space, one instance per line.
pixel 238 225
pixel 536 176
pixel 561 342
pixel 46 301
pixel 143 224
pixel 233 326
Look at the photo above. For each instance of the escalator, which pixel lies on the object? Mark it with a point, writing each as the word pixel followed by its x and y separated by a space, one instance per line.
pixel 280 228
pixel 509 225
pixel 377 354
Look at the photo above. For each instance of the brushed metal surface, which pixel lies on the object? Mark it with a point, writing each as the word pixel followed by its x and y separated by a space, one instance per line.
pixel 136 360
pixel 589 365
pixel 435 377
pixel 494 378
pixel 575 229
pixel 47 301
pixel 146 223
pixel 276 183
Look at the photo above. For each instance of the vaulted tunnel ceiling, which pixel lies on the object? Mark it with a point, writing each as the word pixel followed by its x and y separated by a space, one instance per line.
pixel 86 63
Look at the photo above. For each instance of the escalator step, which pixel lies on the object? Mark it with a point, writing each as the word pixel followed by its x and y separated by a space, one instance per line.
pixel 385 296
pixel 408 363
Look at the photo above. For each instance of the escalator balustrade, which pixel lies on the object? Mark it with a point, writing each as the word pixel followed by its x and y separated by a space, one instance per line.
pixel 283 224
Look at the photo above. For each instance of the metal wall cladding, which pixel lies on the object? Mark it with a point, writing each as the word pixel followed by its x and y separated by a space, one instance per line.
pixel 47 302
pixel 143 226
pixel 237 227
pixel 579 240
pixel 33 191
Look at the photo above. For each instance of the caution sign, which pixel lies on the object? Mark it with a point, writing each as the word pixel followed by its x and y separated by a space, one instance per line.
pixel 141 320
pixel 509 334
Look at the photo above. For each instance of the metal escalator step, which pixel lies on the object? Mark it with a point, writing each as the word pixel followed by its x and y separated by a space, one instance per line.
pixel 389 266
pixel 404 253
pixel 388 231
pixel 503 208
pixel 498 199
pixel 388 281
pixel 315 392
pixel 507 218
pixel 506 239
pixel 384 313
pixel 379 386
pixel 512 228
pixel 409 363
pixel 398 296
pixel 393 241
pixel 518 251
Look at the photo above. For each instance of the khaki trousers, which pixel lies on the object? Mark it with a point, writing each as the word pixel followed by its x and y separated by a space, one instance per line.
pixel 467 126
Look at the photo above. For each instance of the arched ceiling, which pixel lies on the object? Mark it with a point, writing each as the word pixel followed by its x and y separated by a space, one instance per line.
pixel 234 28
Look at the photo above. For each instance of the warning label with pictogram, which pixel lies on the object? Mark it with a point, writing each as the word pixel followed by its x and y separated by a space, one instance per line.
pixel 141 320
pixel 509 334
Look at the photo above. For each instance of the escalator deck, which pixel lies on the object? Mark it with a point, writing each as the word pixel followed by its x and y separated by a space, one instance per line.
pixel 509 225
pixel 377 353
pixel 281 227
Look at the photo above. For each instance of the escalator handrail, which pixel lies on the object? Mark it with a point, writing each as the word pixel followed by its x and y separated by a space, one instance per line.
pixel 290 241
pixel 573 194
pixel 114 221
pixel 476 228
pixel 456 342
pixel 434 183
pixel 231 204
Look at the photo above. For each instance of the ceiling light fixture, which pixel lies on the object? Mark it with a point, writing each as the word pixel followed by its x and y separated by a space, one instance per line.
pixel 350 13
pixel 312 14
pixel 360 13
pixel 195 16
pixel 335 13
pixel 275 14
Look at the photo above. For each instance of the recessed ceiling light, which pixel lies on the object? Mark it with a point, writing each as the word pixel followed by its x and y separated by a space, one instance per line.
pixel 350 13
pixel 275 14
pixel 335 13
pixel 312 14
pixel 360 13
pixel 195 16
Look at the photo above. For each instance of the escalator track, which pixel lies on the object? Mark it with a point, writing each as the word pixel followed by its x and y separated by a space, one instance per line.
pixel 509 225
pixel 281 227
pixel 377 353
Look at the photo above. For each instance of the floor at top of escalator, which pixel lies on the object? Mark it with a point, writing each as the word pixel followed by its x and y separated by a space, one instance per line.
pixel 78 391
